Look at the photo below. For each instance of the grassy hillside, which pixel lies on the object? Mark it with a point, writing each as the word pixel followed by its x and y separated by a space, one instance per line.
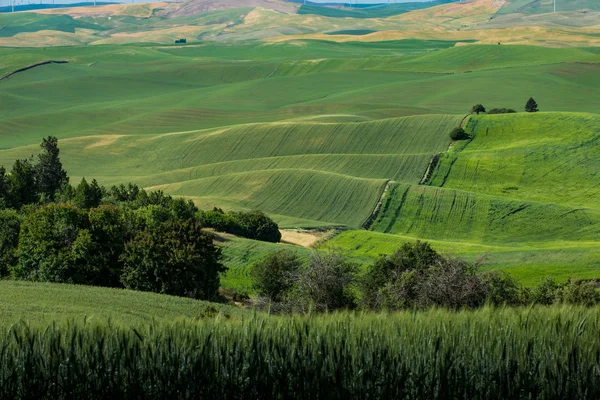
pixel 45 302
pixel 328 172
pixel 312 131
pixel 523 191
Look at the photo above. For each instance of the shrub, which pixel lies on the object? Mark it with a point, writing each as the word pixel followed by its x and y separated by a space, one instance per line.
pixel 10 224
pixel 459 134
pixel 275 275
pixel 579 292
pixel 256 225
pixel 220 221
pixel 545 292
pixel 175 258
pixel 501 111
pixel 55 245
pixel 327 283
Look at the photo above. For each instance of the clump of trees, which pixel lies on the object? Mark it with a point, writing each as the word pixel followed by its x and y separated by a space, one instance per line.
pixel 501 111
pixel 413 277
pixel 124 236
pixel 251 224
pixel 459 134
pixel 531 105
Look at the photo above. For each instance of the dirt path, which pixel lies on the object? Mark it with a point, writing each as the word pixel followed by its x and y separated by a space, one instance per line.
pixel 298 238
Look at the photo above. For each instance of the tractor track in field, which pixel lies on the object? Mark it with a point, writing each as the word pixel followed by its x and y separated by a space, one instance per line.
pixel 38 64
pixel 371 218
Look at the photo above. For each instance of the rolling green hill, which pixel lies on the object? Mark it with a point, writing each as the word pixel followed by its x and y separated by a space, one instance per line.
pixel 36 302
pixel 524 191
pixel 312 132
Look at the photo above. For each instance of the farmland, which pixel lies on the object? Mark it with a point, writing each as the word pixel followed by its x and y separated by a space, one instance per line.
pixel 510 353
pixel 334 122
pixel 42 303
pixel 354 118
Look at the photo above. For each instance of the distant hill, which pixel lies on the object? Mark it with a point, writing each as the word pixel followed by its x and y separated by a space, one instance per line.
pixel 34 7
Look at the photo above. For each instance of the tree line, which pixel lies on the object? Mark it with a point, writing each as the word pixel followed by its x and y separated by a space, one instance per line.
pixel 124 236
pixel 413 277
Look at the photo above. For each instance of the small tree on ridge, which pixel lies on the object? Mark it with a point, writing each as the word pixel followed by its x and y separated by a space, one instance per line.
pixel 531 105
pixel 477 108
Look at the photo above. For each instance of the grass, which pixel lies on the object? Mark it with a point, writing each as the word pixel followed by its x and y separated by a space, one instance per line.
pixel 47 302
pixel 328 172
pixel 523 192
pixel 311 132
pixel 546 353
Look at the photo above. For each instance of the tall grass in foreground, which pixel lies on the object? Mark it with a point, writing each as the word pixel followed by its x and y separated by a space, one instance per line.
pixel 539 353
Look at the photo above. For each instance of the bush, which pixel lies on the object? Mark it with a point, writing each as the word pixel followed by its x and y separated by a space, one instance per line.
pixel 275 275
pixel 327 283
pixel 416 276
pixel 55 245
pixel 579 292
pixel 10 224
pixel 391 280
pixel 256 225
pixel 459 134
pixel 175 258
pixel 545 292
pixel 501 111
pixel 220 221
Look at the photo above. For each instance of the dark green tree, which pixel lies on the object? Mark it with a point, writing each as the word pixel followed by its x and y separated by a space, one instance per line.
pixel 391 281
pixel 49 172
pixel 21 188
pixel 87 196
pixel 327 283
pixel 477 108
pixel 531 105
pixel 3 188
pixel 10 224
pixel 110 232
pixel 55 245
pixel 176 258
pixel 258 226
pixel 275 275
pixel 459 134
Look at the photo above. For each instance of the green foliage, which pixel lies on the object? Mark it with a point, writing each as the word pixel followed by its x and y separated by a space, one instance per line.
pixel 545 292
pixel 3 188
pixel 581 292
pixel 477 108
pixel 175 258
pixel 55 245
pixel 459 134
pixel 501 111
pixel 327 283
pixel 542 353
pixel 10 224
pixel 256 225
pixel 275 275
pixel 21 184
pixel 416 276
pixel 87 196
pixel 49 173
pixel 220 221
pixel 531 105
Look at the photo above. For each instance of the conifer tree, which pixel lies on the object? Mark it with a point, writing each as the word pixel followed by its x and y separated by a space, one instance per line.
pixel 49 172
pixel 531 105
